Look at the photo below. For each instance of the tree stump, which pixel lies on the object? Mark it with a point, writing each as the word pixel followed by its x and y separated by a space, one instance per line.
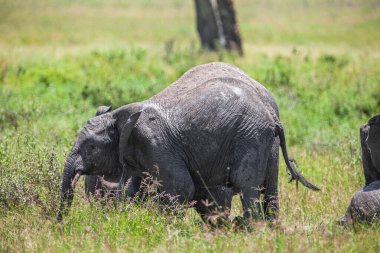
pixel 217 25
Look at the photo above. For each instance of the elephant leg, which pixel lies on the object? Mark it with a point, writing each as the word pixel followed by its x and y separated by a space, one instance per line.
pixel 249 175
pixel 252 205
pixel 175 181
pixel 214 204
pixel 121 185
pixel 132 187
pixel 371 174
pixel 270 192
pixel 91 184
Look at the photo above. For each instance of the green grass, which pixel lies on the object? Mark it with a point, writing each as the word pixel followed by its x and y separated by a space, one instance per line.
pixel 60 60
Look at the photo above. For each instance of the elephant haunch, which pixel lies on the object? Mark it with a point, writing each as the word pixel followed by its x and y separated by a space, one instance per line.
pixel 364 206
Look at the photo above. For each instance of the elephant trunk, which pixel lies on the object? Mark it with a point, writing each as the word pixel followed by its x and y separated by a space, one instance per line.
pixel 69 179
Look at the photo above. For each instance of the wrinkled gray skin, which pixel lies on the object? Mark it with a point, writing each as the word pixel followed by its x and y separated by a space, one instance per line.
pixel 364 206
pixel 370 142
pixel 105 185
pixel 213 133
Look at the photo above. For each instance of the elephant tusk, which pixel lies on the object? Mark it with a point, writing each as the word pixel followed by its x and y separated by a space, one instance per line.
pixel 108 184
pixel 76 178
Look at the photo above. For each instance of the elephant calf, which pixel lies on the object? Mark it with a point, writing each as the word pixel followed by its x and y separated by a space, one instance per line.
pixel 99 185
pixel 365 205
pixel 213 133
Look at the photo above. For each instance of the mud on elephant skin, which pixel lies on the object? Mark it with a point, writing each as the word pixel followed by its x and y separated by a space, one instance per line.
pixel 214 128
pixel 370 143
pixel 364 206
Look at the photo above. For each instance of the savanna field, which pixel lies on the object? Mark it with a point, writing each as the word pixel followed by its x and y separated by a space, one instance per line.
pixel 60 60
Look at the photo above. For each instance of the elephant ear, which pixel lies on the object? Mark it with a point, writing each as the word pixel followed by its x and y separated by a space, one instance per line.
pixel 125 133
pixel 103 109
pixel 371 173
pixel 373 143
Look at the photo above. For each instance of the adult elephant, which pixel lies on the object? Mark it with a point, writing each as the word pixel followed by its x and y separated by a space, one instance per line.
pixel 370 142
pixel 213 133
pixel 365 204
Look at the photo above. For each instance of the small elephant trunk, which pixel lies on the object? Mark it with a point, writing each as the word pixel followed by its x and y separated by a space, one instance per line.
pixel 69 178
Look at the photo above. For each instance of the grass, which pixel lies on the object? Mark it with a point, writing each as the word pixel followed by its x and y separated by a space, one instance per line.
pixel 60 60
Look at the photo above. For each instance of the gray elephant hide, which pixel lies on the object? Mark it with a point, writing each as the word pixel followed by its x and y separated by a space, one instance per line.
pixel 213 133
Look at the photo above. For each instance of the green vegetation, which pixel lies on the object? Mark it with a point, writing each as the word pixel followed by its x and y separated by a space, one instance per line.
pixel 60 60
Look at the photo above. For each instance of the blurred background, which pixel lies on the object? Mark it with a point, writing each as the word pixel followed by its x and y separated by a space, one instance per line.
pixel 61 59
pixel 53 28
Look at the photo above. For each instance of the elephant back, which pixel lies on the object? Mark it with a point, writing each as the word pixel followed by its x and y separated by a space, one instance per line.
pixel 203 74
pixel 365 204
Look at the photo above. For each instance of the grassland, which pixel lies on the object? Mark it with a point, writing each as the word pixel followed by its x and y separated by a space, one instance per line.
pixel 59 60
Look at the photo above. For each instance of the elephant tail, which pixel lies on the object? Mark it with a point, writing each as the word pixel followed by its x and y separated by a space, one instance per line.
pixel 292 171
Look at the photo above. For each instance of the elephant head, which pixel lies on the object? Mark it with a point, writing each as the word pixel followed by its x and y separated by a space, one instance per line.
pixel 96 151
pixel 370 141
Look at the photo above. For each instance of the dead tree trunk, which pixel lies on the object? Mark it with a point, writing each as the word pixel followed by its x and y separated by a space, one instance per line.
pixel 217 25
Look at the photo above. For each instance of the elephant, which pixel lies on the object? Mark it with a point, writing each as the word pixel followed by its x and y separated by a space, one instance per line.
pixel 364 206
pixel 370 143
pixel 107 185
pixel 213 133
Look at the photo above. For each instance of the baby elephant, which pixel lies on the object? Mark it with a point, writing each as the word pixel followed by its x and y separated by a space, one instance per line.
pixel 214 128
pixel 101 186
pixel 364 206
